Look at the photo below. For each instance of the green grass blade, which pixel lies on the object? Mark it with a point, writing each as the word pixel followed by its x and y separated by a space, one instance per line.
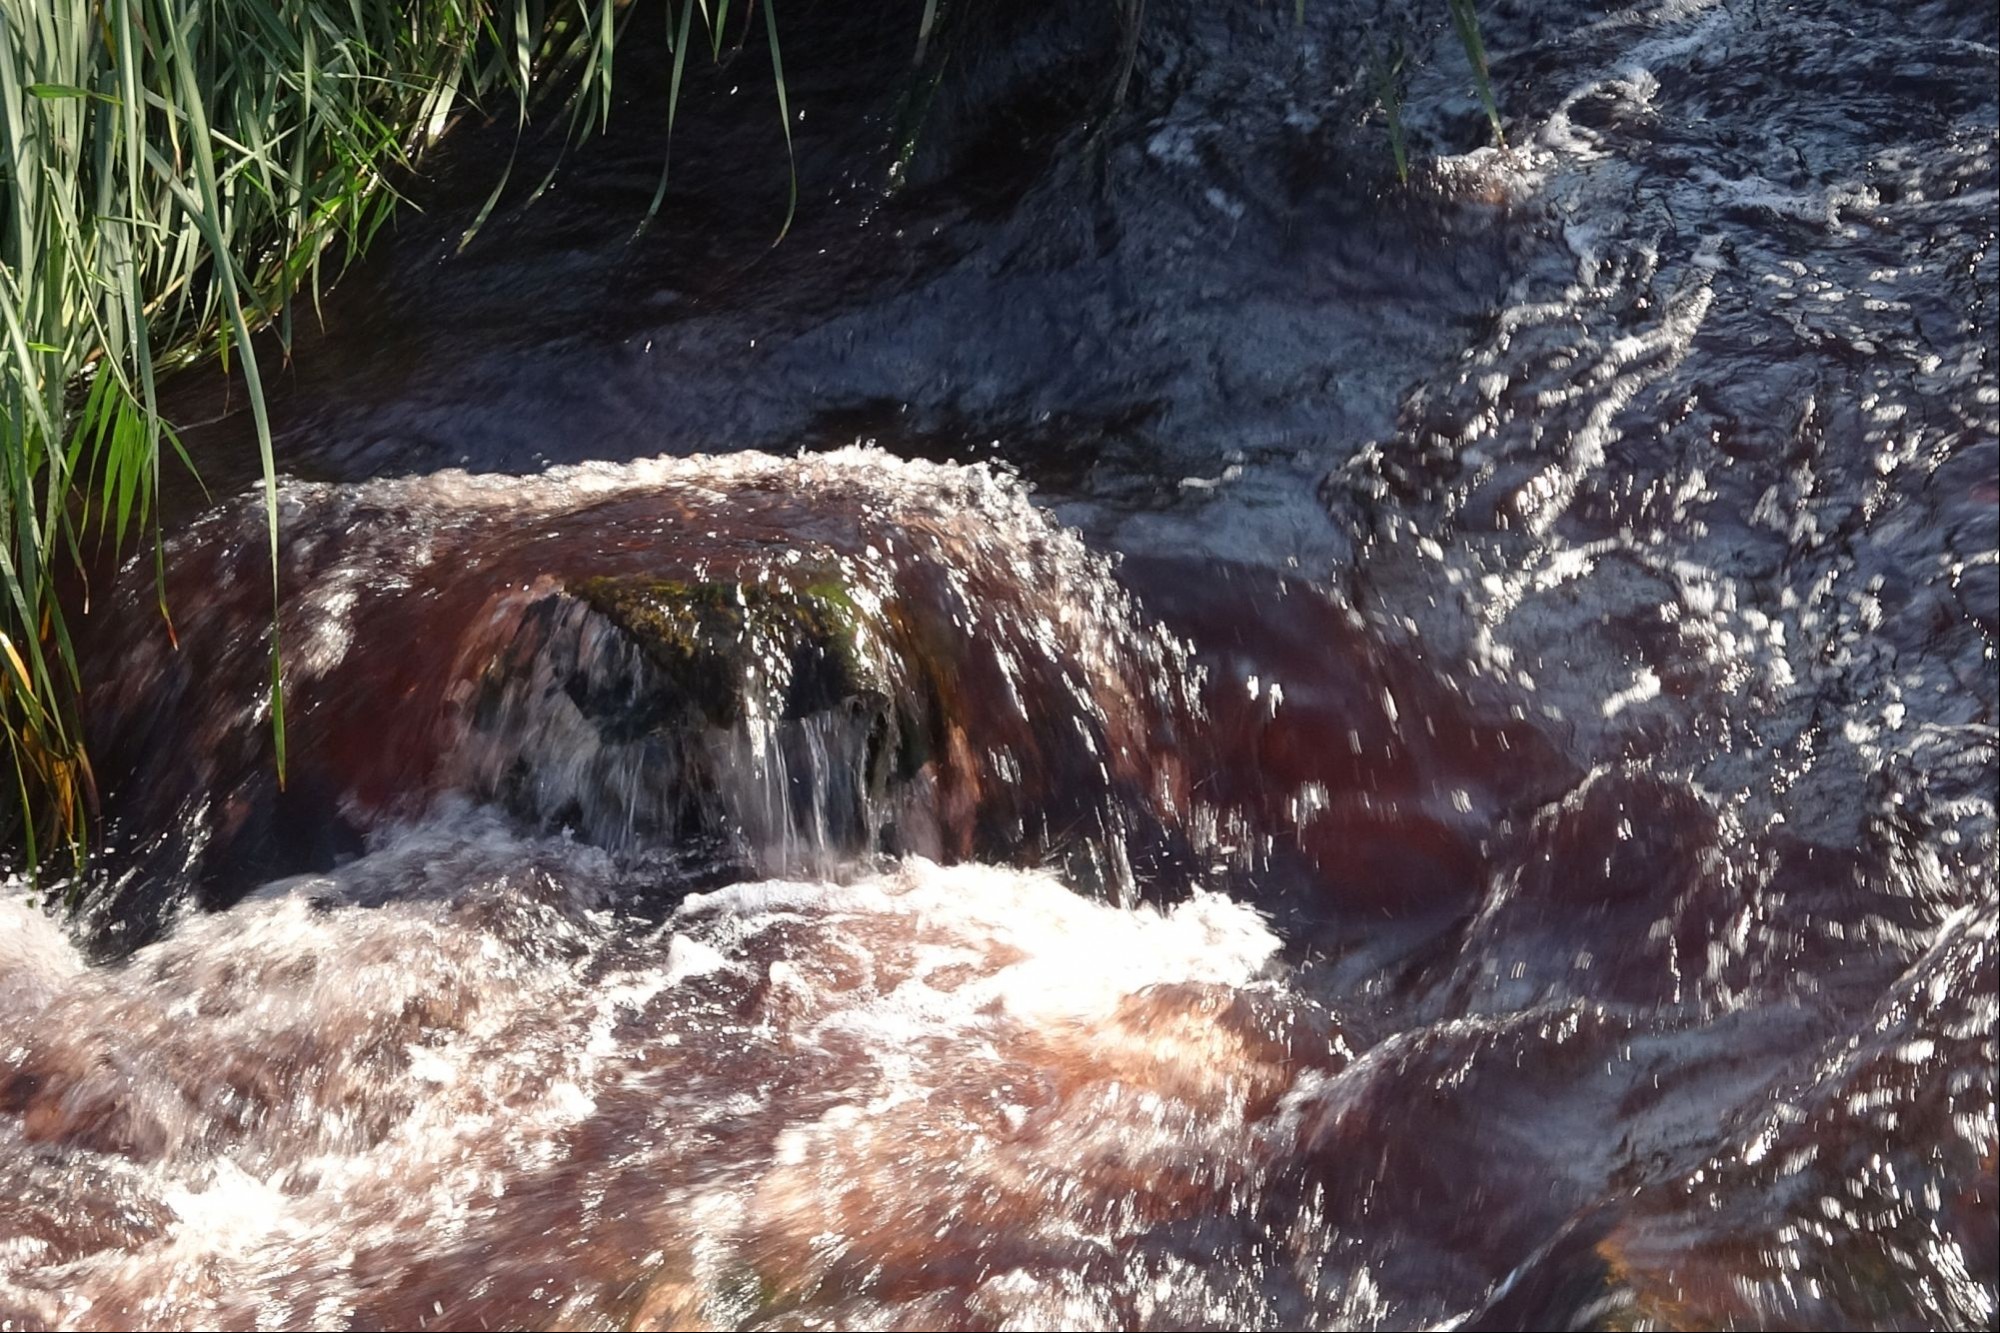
pixel 784 117
pixel 206 213
pixel 1466 19
pixel 680 48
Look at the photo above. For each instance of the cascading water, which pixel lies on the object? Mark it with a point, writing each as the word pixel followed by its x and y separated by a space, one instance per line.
pixel 1460 797
pixel 794 663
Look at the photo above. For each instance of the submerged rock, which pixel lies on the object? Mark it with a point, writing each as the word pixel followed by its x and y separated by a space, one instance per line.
pixel 716 641
pixel 787 665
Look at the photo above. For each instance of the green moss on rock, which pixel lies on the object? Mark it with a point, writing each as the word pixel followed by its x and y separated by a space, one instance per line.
pixel 715 640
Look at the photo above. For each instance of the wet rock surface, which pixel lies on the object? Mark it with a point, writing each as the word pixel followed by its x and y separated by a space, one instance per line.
pixel 1000 266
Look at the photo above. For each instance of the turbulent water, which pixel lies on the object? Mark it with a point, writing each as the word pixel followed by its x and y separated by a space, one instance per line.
pixel 1441 774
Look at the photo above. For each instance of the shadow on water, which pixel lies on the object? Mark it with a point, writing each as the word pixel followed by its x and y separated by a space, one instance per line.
pixel 1292 753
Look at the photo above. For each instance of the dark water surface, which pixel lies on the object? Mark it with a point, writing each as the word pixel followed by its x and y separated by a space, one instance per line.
pixel 1145 729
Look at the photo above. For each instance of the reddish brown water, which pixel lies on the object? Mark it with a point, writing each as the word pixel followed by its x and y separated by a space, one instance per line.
pixel 1458 791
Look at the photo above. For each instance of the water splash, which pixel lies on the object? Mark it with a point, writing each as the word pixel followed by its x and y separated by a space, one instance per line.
pixel 797 662
pixel 454 1082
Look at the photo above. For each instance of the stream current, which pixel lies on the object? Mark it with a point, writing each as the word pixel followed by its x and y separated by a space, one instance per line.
pixel 1146 729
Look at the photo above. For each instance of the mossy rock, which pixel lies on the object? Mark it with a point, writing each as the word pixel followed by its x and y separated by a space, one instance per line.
pixel 714 641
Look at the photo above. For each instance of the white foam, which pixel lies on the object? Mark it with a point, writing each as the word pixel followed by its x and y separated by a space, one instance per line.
pixel 1074 958
pixel 36 958
pixel 329 1099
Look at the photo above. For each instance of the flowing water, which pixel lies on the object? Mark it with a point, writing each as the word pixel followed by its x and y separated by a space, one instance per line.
pixel 1145 729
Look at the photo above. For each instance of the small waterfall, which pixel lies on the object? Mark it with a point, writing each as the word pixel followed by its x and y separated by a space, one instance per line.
pixel 768 722
pixel 786 666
